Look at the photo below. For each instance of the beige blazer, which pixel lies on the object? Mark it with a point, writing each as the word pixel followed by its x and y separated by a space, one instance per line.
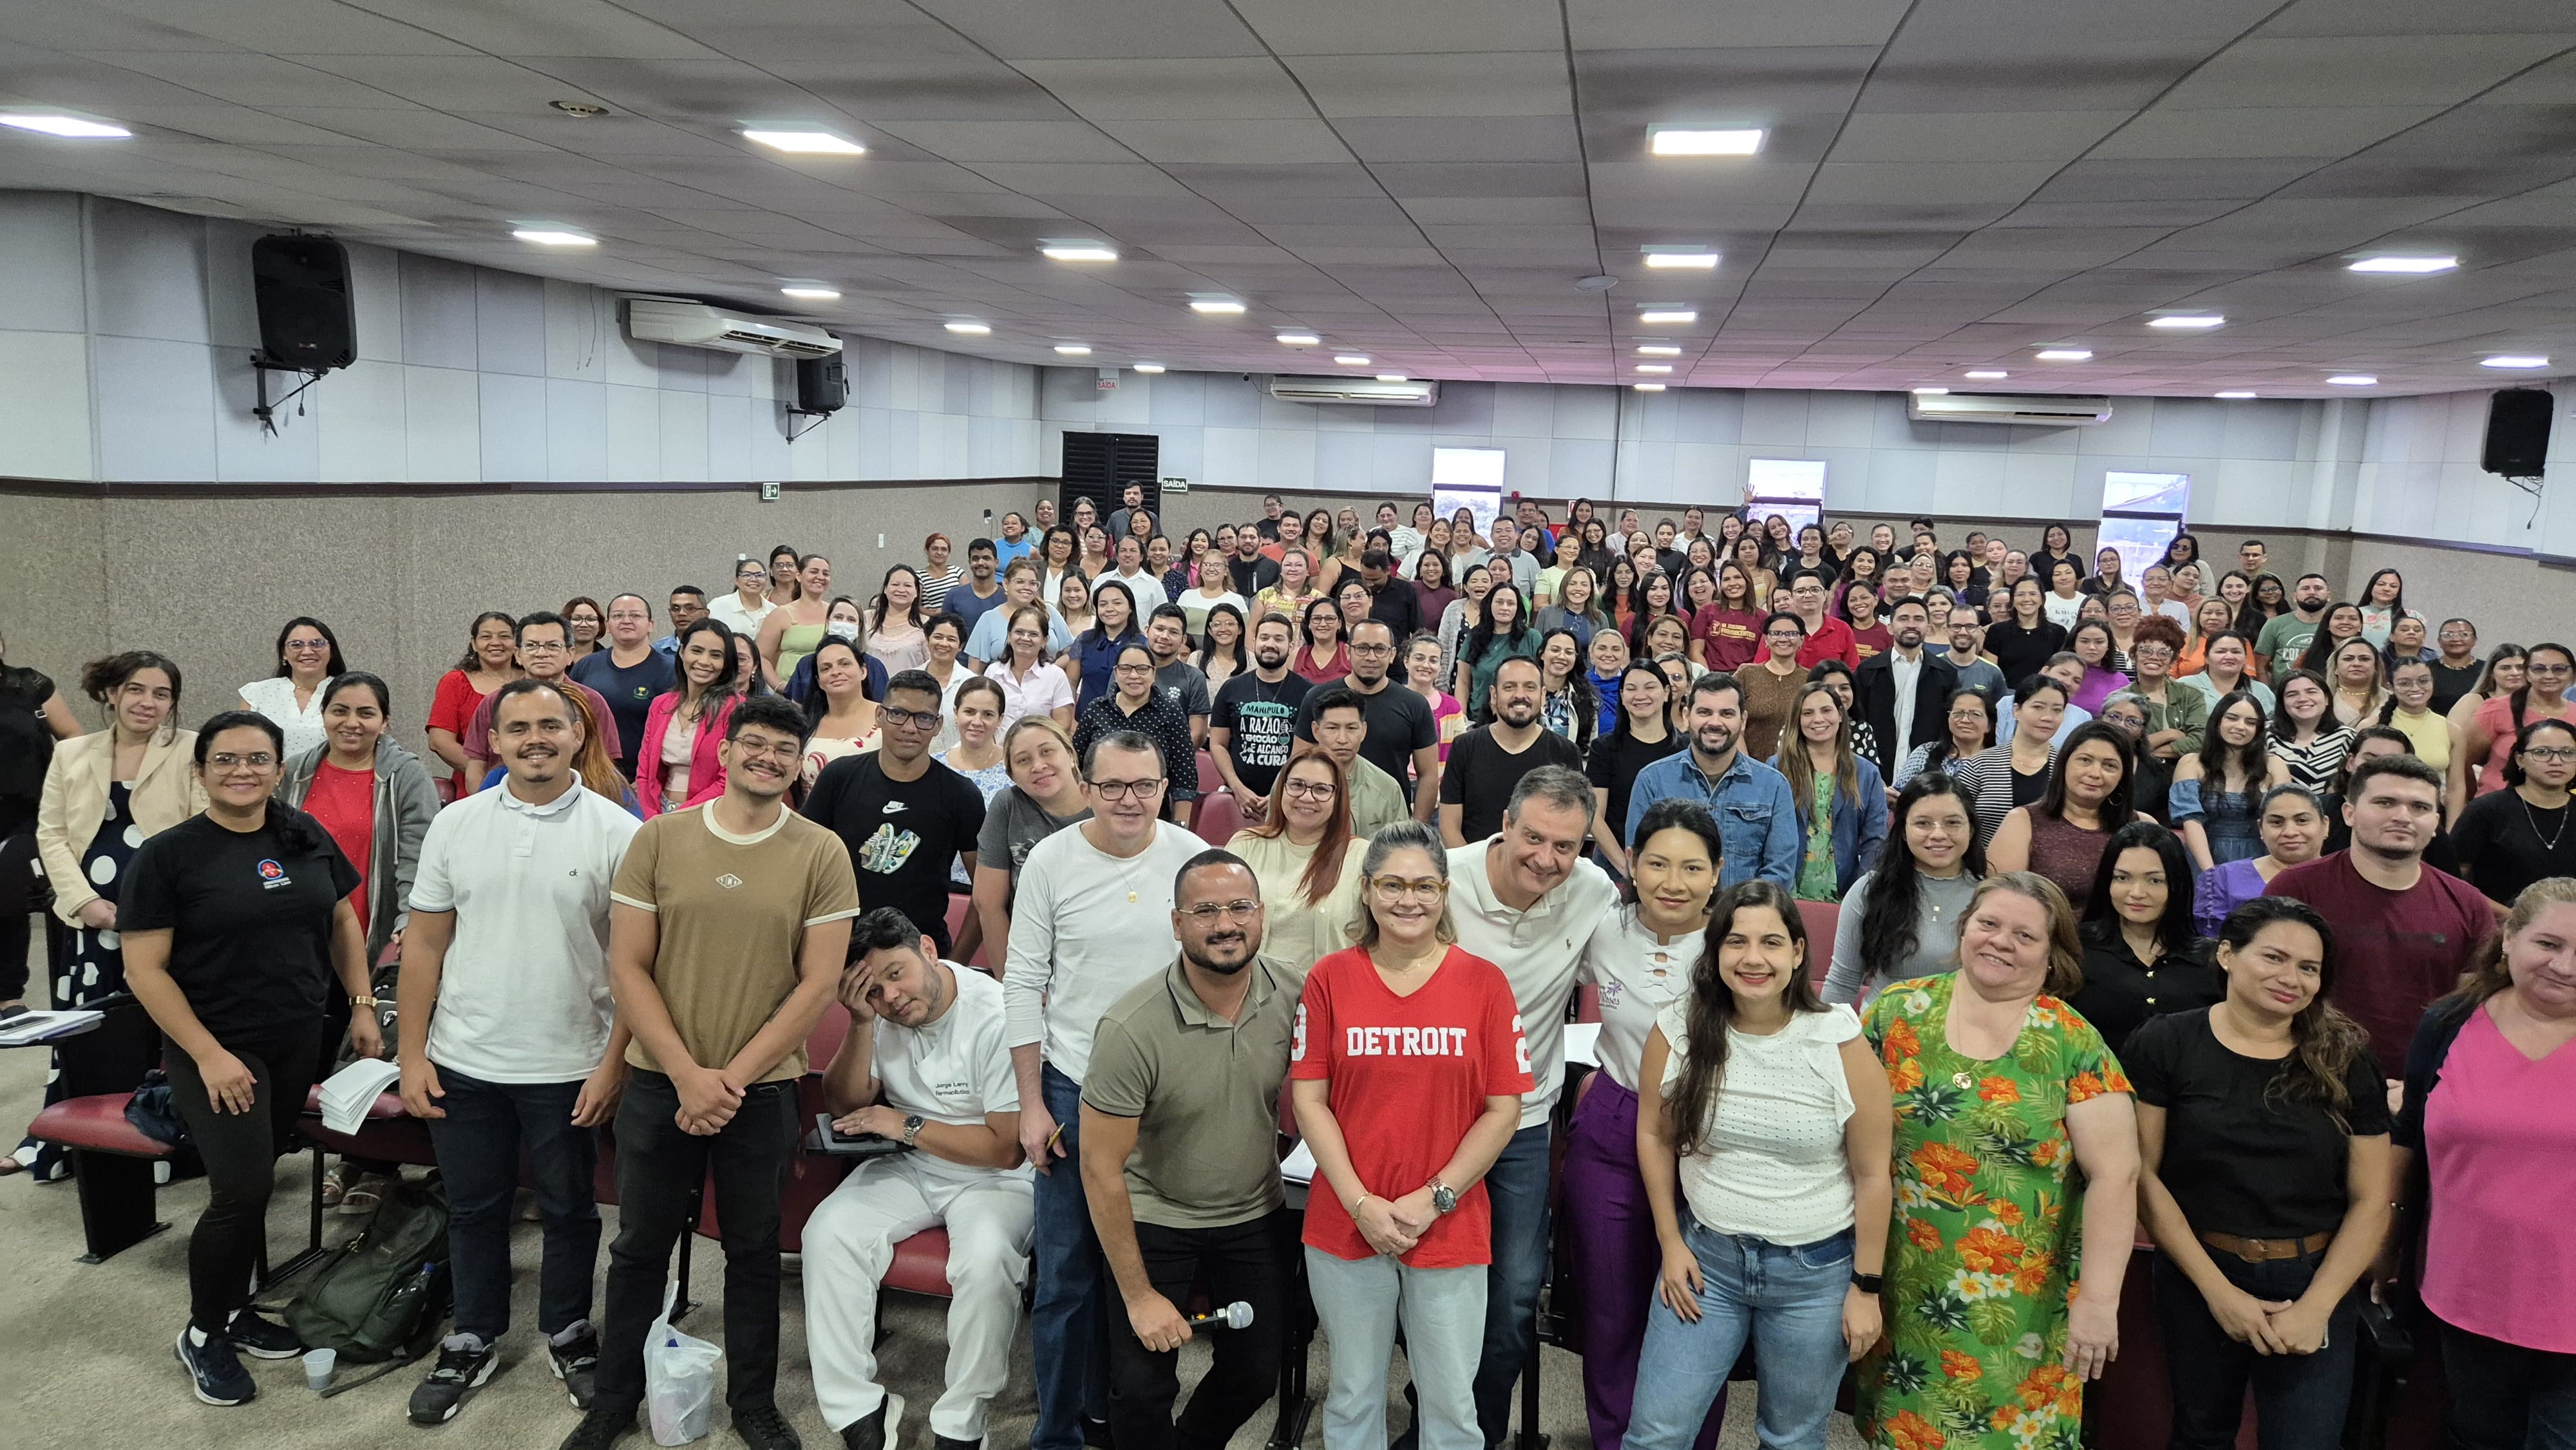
pixel 164 793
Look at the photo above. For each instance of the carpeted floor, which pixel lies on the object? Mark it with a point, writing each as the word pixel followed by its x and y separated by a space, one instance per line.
pixel 85 1348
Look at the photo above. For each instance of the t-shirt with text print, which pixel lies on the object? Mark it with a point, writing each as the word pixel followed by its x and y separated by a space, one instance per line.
pixel 1409 1076
pixel 1261 717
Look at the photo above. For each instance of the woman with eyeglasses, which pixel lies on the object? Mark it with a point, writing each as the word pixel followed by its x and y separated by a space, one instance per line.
pixel 1398 1229
pixel 2215 797
pixel 1134 704
pixel 491 661
pixel 1059 559
pixel 585 621
pixel 1307 860
pixel 786 576
pixel 2409 707
pixel 2477 766
pixel 677 764
pixel 2513 837
pixel 1323 652
pixel 2293 832
pixel 1969 718
pixel 2177 714
pixel 2062 835
pixel 308 659
pixel 1033 681
pixel 1221 655
pixel 748 606
pixel 239 934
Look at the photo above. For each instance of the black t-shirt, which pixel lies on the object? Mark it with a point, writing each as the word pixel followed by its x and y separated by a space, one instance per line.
pixel 1399 723
pixel 1251 576
pixel 2240 1157
pixel 2505 844
pixel 903 835
pixel 2450 686
pixel 1261 718
pixel 629 692
pixel 249 917
pixel 2120 992
pixel 1480 775
pixel 1613 765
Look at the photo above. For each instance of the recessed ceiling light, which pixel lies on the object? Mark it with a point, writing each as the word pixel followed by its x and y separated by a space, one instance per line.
pixel 1680 141
pixel 1988 373
pixel 1216 306
pixel 2063 354
pixel 1299 339
pixel 970 329
pixel 1647 387
pixel 1351 359
pixel 550 237
pixel 1657 349
pixel 1931 392
pixel 72 127
pixel 1701 261
pixel 2404 264
pixel 1654 367
pixel 2514 360
pixel 1072 349
pixel 1149 367
pixel 1391 378
pixel 805 143
pixel 1668 314
pixel 2353 380
pixel 1078 252
pixel 811 294
pixel 2187 322
pixel 2236 393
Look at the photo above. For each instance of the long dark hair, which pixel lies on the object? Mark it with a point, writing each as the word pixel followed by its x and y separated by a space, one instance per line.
pixel 1578 683
pixel 2324 1042
pixel 2522 696
pixel 1712 1009
pixel 361 680
pixel 336 665
pixel 1622 723
pixel 2319 655
pixel 723 685
pixel 1481 638
pixel 1677 813
pixel 912 612
pixel 819 704
pixel 1242 637
pixel 2173 929
pixel 2117 809
pixel 296 830
pixel 1892 899
pixel 1135 627
pixel 2252 759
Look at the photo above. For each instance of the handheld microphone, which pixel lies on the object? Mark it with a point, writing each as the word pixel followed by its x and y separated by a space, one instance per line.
pixel 1237 1315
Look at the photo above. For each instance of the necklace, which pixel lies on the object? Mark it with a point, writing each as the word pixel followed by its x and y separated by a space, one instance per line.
pixel 2548 842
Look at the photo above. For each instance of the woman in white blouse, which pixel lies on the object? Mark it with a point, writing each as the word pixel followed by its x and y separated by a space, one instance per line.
pixel 1641 958
pixel 1765 1128
pixel 308 659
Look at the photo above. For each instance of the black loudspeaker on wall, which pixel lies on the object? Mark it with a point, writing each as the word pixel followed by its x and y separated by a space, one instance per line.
pixel 2518 432
pixel 308 319
pixel 822 384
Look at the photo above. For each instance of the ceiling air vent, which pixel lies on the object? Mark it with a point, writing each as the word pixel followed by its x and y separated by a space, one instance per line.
pixel 1411 393
pixel 2033 410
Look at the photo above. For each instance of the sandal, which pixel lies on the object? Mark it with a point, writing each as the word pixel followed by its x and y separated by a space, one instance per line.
pixel 364 1195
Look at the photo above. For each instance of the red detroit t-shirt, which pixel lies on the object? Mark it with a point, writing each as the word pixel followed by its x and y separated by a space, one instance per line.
pixel 1409 1076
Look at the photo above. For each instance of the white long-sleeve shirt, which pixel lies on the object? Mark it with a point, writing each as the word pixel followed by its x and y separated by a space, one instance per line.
pixel 1085 927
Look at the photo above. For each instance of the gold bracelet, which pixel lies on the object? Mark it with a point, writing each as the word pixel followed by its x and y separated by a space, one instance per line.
pixel 362 1002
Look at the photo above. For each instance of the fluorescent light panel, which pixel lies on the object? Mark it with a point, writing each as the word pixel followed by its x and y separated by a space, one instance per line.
pixel 1072 349
pixel 805 143
pixel 1351 359
pixel 1149 367
pixel 2353 380
pixel 2415 265
pixel 1654 367
pixel 1078 252
pixel 2063 354
pixel 2233 393
pixel 1299 339
pixel 970 329
pixel 1931 392
pixel 1658 349
pixel 1668 314
pixel 1216 306
pixel 1700 261
pixel 1682 141
pixel 1647 387
pixel 811 294
pixel 2514 360
pixel 1392 378
pixel 550 237
pixel 69 127
pixel 1987 374
pixel 2187 322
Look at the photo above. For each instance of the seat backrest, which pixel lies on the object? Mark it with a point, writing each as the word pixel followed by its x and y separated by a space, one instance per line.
pixel 825 1039
pixel 1819 918
pixel 1218 818
pixel 1208 778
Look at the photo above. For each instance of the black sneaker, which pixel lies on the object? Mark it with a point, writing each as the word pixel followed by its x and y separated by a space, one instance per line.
pixel 868 1431
pixel 599 1429
pixel 263 1338
pixel 577 1365
pixel 217 1371
pixel 763 1428
pixel 464 1363
pixel 943 1442
pixel 1095 1434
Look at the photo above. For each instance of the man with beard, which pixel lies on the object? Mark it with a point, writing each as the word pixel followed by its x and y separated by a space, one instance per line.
pixel 1253 730
pixel 1179 1114
pixel 1968 659
pixel 2284 636
pixel 1902 692
pixel 1486 764
pixel 904 816
pixel 1167 635
pixel 508 1046
pixel 545 652
pixel 980 591
pixel 1402 741
pixel 1757 816
pixel 1248 569
pixel 923 1064
pixel 729 927
pixel 1093 899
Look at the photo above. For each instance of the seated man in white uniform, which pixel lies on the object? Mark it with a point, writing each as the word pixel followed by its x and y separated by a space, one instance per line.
pixel 924 1064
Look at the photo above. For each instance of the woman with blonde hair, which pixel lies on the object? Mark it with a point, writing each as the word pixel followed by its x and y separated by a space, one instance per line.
pixel 1842 802
pixel 1307 859
pixel 1044 797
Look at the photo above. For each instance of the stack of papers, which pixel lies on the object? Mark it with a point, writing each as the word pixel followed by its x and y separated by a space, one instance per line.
pixel 33 1027
pixel 351 1092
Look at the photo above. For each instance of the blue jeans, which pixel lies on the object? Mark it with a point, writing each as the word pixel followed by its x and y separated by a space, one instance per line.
pixel 1065 1325
pixel 2299 1399
pixel 2506 1397
pixel 1516 1187
pixel 1788 1300
pixel 479 1142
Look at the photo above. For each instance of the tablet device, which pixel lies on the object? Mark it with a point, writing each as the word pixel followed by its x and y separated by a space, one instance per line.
pixel 854 1145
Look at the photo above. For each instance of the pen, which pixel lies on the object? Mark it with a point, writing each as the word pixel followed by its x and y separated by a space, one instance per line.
pixel 1056 1138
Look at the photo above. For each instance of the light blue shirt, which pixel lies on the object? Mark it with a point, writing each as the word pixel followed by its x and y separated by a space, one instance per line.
pixel 1757 820
pixel 1004 551
pixel 993 633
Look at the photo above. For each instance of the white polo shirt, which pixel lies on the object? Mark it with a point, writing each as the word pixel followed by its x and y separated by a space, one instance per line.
pixel 1538 950
pixel 953 1071
pixel 523 994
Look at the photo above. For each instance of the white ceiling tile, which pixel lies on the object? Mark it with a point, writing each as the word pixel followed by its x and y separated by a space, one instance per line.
pixel 1974 135
pixel 973 142
pixel 1244 88
pixel 2235 132
pixel 1503 83
pixel 1231 142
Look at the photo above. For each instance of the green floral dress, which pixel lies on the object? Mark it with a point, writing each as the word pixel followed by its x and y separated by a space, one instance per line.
pixel 1980 1250
pixel 1819 878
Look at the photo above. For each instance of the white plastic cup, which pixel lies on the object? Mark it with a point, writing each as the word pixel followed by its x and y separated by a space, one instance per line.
pixel 319 1366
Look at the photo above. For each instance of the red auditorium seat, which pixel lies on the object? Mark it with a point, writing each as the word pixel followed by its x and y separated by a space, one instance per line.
pixel 1209 780
pixel 112 1168
pixel 1218 818
pixel 1819 917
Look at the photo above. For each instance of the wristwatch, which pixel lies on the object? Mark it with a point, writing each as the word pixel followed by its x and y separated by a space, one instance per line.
pixel 1866 1283
pixel 912 1126
pixel 1444 1199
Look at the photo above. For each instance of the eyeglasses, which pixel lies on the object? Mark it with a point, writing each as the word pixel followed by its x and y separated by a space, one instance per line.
pixel 755 751
pixel 303 645
pixel 1119 790
pixel 2551 754
pixel 544 647
pixel 1372 649
pixel 262 760
pixel 1206 912
pixel 2536 668
pixel 1311 790
pixel 1135 669
pixel 1396 888
pixel 917 719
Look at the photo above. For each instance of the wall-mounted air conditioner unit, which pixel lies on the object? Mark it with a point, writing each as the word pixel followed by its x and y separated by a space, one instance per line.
pixel 695 324
pixel 1411 393
pixel 2037 410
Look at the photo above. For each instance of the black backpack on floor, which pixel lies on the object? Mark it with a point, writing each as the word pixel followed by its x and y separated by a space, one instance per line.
pixel 384 1299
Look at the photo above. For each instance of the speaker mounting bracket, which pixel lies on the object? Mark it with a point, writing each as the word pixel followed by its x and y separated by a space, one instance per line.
pixel 793 432
pixel 261 365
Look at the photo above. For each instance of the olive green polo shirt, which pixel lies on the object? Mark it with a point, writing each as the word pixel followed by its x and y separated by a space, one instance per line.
pixel 1205 1092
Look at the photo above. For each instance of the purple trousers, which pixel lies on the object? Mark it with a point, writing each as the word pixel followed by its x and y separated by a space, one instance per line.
pixel 1612 1256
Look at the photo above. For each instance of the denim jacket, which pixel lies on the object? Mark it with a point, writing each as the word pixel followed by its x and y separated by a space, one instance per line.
pixel 1757 820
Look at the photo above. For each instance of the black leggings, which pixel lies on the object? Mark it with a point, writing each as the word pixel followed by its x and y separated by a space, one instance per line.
pixel 240 1151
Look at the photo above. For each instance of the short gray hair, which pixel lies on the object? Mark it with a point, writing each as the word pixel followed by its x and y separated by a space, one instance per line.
pixel 1560 786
